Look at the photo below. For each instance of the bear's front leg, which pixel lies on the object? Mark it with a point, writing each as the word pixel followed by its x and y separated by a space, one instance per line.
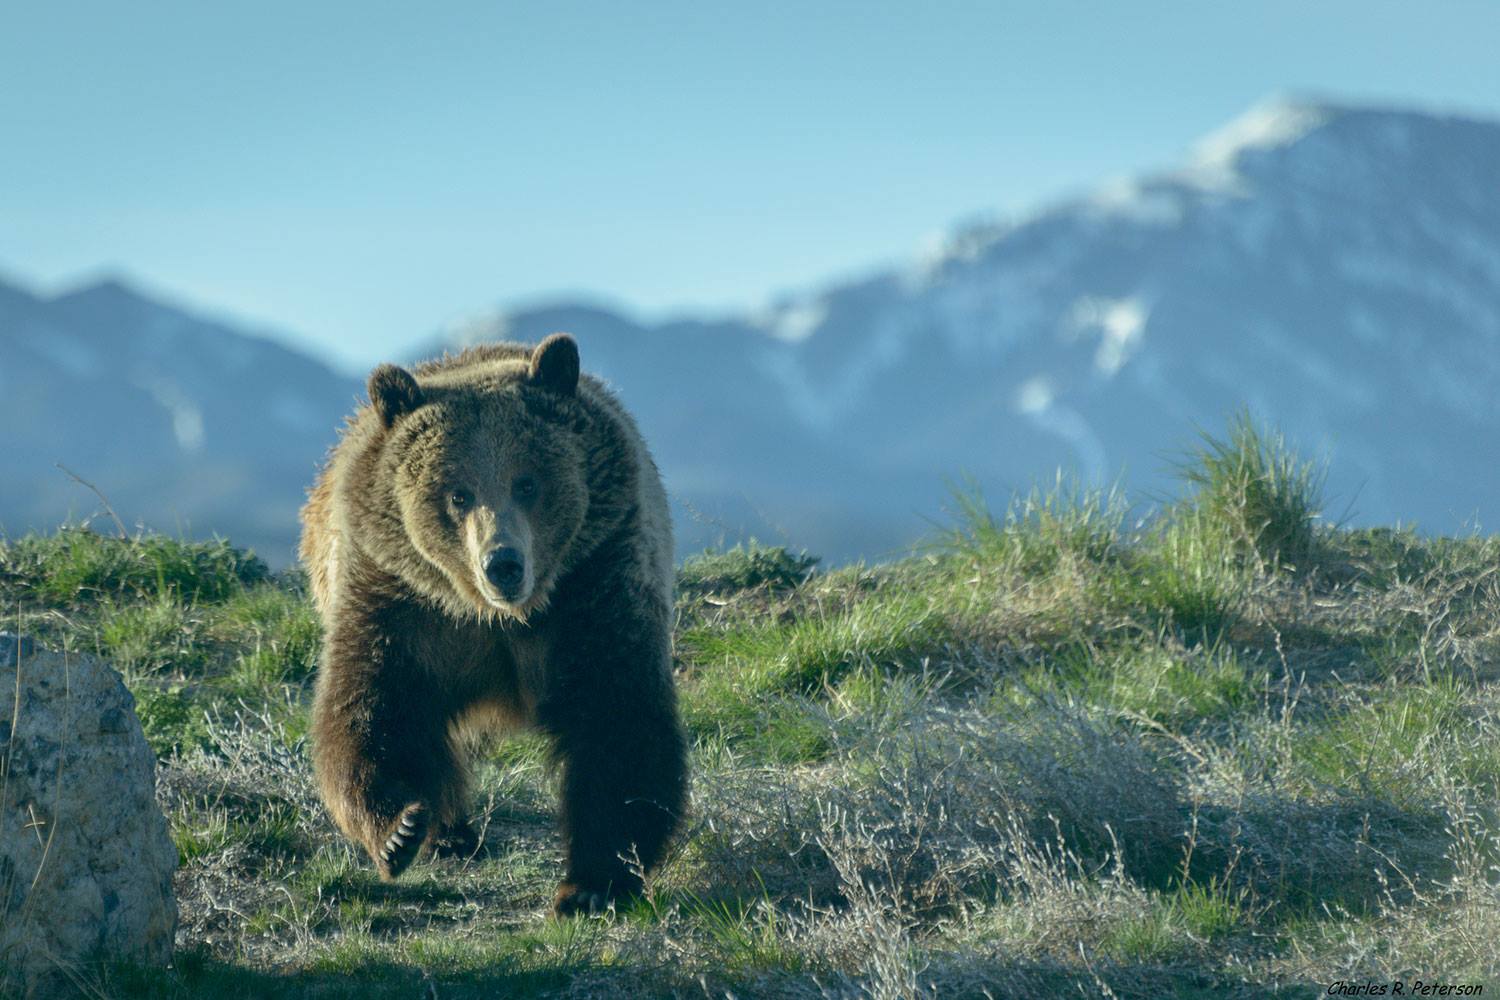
pixel 385 768
pixel 624 782
pixel 624 764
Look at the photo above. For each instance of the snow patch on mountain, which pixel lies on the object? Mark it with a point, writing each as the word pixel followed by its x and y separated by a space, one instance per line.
pixel 1035 395
pixel 1037 401
pixel 476 328
pixel 1272 125
pixel 795 322
pixel 187 416
pixel 178 419
pixel 1143 202
pixel 1119 323
pixel 821 402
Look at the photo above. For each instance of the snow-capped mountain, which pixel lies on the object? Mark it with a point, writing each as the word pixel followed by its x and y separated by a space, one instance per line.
pixel 1335 269
pixel 185 424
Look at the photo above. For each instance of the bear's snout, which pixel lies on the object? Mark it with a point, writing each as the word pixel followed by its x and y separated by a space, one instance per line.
pixel 505 568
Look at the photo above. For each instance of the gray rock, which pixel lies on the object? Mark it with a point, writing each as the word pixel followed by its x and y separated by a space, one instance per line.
pixel 9 643
pixel 86 860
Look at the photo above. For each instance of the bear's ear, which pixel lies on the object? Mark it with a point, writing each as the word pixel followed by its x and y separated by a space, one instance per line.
pixel 393 392
pixel 554 364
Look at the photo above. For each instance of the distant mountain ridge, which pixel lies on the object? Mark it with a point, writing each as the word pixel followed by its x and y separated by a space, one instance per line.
pixel 1335 269
pixel 184 423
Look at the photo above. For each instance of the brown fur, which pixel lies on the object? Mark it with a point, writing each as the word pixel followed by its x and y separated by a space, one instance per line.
pixel 421 646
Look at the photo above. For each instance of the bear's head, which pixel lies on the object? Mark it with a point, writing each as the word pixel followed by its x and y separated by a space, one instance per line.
pixel 488 477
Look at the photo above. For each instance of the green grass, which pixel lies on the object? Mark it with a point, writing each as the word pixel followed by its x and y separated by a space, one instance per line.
pixel 276 629
pixel 1184 575
pixel 1176 925
pixel 1156 682
pixel 1212 748
pixel 1257 492
pixel 1395 742
pixel 76 563
pixel 172 718
pixel 744 567
pixel 761 685
pixel 1038 532
pixel 158 633
pixel 807 655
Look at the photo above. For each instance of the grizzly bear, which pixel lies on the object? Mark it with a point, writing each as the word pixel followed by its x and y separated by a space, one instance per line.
pixel 489 545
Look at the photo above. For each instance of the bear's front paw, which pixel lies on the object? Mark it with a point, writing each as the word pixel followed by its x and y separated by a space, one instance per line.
pixel 404 841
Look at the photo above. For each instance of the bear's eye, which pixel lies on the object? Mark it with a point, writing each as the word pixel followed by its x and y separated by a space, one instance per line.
pixel 460 499
pixel 524 488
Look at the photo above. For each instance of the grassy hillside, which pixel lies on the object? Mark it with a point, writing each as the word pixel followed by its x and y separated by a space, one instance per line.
pixel 1223 750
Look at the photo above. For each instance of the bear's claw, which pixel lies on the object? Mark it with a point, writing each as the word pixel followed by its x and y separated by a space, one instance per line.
pixel 456 840
pixel 401 847
pixel 574 899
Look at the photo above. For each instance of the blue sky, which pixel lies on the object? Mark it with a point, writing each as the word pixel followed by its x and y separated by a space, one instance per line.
pixel 355 175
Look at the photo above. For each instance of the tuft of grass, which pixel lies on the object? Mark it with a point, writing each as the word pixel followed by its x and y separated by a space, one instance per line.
pixel 1210 912
pixel 200 834
pixel 1175 925
pixel 1394 744
pixel 272 829
pixel 1183 576
pixel 1038 532
pixel 805 655
pixel 744 567
pixel 746 937
pixel 157 634
pixel 171 718
pixel 758 683
pixel 277 628
pixel 76 564
pixel 1176 689
pixel 1163 684
pixel 1258 493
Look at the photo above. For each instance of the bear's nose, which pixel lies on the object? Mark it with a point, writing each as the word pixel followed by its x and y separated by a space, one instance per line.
pixel 505 570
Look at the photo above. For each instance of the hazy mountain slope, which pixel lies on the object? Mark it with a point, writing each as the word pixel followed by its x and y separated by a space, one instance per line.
pixel 1336 270
pixel 184 423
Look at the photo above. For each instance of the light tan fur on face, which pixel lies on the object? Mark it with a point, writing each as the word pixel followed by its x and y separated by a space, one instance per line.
pixel 484 531
pixel 478 427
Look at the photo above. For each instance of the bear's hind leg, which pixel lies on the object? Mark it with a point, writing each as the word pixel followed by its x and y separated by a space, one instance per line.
pixel 458 839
